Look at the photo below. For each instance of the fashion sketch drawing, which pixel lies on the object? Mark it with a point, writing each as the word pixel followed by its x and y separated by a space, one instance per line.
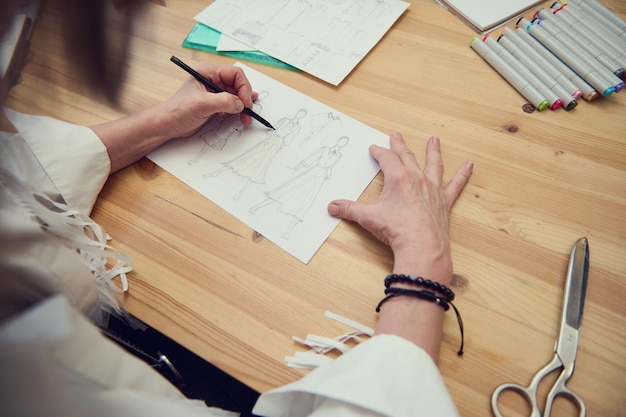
pixel 278 182
pixel 295 196
pixel 254 163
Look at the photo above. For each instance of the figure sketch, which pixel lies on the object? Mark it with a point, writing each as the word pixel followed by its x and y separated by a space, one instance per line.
pixel 326 38
pixel 318 123
pixel 223 128
pixel 219 133
pixel 254 163
pixel 296 195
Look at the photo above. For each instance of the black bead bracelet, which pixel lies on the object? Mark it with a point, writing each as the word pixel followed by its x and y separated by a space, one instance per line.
pixel 445 301
pixel 420 282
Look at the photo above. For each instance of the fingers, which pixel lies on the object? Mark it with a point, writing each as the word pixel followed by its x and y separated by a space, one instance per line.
pixel 433 167
pixel 406 155
pixel 223 103
pixel 459 180
pixel 236 82
pixel 388 160
pixel 231 79
pixel 344 209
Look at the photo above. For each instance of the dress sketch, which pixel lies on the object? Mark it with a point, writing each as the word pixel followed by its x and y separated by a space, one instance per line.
pixel 221 129
pixel 296 195
pixel 318 123
pixel 218 134
pixel 254 163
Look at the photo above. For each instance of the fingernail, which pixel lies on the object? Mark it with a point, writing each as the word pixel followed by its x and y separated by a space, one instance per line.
pixel 396 135
pixel 435 140
pixel 333 209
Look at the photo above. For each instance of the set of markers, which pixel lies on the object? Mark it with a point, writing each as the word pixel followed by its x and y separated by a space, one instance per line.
pixel 566 52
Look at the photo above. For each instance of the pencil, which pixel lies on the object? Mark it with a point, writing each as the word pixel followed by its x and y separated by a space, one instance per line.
pixel 217 89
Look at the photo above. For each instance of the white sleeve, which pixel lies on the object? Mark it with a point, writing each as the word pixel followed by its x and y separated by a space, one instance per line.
pixel 73 156
pixel 55 363
pixel 384 376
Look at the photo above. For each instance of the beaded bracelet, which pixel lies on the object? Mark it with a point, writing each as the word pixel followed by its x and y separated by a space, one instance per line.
pixel 422 294
pixel 421 282
pixel 445 302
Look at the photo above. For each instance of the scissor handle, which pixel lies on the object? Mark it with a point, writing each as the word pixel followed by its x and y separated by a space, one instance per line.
pixel 529 393
pixel 559 389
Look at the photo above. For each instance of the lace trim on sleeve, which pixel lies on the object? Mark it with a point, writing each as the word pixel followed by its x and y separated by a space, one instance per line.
pixel 81 234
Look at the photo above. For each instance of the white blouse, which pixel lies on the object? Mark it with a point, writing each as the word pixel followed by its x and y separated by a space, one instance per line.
pixel 55 362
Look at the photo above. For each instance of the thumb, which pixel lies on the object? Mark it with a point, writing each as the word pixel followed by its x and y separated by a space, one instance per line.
pixel 343 209
pixel 229 103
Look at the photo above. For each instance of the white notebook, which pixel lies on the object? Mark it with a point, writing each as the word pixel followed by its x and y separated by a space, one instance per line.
pixel 485 15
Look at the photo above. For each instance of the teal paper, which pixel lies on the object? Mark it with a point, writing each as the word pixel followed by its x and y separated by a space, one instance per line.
pixel 205 38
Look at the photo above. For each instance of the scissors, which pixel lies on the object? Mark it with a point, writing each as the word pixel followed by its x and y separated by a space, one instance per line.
pixel 566 342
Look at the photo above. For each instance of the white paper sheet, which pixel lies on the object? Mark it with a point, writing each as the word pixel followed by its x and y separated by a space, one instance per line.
pixel 486 15
pixel 226 43
pixel 326 38
pixel 278 182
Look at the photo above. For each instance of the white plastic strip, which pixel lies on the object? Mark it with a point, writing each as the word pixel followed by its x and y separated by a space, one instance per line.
pixel 320 345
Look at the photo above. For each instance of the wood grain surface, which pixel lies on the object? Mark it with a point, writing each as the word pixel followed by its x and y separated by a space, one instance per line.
pixel 541 180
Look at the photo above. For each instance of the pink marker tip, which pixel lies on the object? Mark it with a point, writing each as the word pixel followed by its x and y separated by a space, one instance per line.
pixel 558 103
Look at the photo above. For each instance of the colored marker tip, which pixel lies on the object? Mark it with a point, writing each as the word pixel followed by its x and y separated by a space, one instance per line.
pixel 558 103
pixel 608 91
pixel 536 14
pixel 619 87
pixel 572 104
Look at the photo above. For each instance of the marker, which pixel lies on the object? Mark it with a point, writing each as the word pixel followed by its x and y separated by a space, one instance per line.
pixel 588 33
pixel 566 98
pixel 556 70
pixel 577 44
pixel 604 11
pixel 587 72
pixel 543 89
pixel 583 57
pixel 544 63
pixel 216 89
pixel 588 91
pixel 509 74
pixel 592 25
pixel 604 16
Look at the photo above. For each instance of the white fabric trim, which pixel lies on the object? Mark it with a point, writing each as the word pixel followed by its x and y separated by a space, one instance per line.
pixel 385 375
pixel 79 177
pixel 41 179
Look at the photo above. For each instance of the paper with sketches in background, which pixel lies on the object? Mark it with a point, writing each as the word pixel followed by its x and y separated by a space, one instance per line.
pixel 226 43
pixel 278 182
pixel 204 38
pixel 486 15
pixel 325 38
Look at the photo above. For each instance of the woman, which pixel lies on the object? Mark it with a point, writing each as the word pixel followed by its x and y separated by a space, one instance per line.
pixel 51 279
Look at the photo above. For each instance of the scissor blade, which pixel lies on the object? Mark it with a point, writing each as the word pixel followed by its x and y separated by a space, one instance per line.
pixel 576 284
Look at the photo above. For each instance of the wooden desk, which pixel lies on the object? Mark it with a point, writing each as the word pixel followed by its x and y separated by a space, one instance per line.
pixel 541 181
